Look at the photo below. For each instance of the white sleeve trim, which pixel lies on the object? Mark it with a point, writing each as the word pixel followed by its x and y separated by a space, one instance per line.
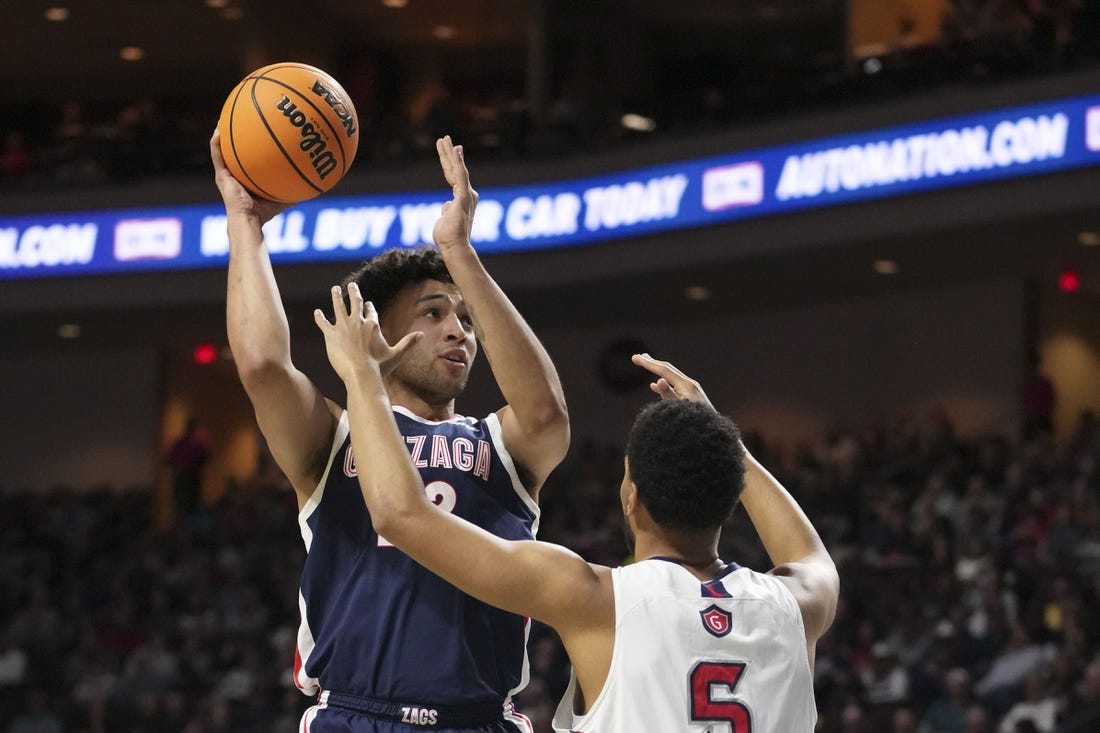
pixel 493 422
pixel 310 506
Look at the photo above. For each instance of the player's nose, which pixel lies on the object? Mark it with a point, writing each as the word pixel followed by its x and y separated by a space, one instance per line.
pixel 456 329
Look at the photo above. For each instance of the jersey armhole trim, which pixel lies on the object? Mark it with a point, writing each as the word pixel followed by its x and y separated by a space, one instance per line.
pixel 492 421
pixel 342 429
pixel 580 720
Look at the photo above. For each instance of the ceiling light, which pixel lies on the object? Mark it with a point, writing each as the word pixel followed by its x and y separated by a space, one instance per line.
pixel 131 53
pixel 57 15
pixel 885 267
pixel 444 32
pixel 69 330
pixel 1089 239
pixel 216 3
pixel 697 293
pixel 639 123
pixel 395 3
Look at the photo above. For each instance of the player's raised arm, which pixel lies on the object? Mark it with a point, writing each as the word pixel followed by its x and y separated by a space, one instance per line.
pixel 793 545
pixel 295 419
pixel 531 578
pixel 535 421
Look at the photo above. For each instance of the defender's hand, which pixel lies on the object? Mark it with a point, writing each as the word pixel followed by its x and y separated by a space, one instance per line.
pixel 354 342
pixel 671 383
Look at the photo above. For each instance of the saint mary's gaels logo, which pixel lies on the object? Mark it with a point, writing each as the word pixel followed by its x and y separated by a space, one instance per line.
pixel 716 621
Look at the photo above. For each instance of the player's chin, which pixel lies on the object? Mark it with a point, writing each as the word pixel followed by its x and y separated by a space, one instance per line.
pixel 460 384
pixel 455 370
pixel 451 385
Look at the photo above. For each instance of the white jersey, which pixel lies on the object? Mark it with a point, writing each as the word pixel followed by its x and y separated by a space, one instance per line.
pixel 727 656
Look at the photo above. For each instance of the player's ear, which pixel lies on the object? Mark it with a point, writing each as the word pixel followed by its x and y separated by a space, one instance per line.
pixel 629 495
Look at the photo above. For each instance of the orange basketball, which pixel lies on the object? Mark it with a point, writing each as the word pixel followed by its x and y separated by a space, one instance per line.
pixel 289 132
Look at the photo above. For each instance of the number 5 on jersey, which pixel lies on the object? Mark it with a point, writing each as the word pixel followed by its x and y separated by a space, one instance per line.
pixel 712 685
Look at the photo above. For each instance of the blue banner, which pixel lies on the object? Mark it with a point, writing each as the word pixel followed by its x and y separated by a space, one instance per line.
pixel 1008 143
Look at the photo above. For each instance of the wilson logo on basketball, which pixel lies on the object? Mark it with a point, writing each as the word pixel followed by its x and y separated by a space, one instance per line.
pixel 347 119
pixel 323 161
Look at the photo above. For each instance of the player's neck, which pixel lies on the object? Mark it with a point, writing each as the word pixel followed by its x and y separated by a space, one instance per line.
pixel 701 560
pixel 417 405
pixel 701 569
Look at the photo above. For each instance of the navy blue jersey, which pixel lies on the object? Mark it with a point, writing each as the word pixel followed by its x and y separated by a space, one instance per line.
pixel 377 625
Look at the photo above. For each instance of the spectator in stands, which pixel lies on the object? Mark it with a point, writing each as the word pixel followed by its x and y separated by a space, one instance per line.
pixel 93 560
pixel 1038 706
pixel 978 720
pixel 947 713
pixel 37 717
pixel 885 680
pixel 187 458
pixel 1082 712
pixel 1038 401
pixel 15 159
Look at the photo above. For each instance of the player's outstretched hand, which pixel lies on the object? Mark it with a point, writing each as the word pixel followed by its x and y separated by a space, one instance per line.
pixel 354 342
pixel 457 218
pixel 237 198
pixel 671 383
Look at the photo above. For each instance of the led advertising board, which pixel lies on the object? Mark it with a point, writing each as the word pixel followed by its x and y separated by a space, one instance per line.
pixel 886 163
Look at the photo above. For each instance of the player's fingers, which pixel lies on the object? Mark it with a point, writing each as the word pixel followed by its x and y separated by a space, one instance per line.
pixel 459 158
pixel 355 300
pixel 452 158
pixel 445 148
pixel 462 173
pixel 672 383
pixel 660 368
pixel 407 341
pixel 338 306
pixel 216 151
pixel 320 320
pixel 662 389
pixel 666 390
pixel 370 313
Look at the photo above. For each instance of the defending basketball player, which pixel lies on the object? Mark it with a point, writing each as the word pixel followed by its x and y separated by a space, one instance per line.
pixel 384 643
pixel 679 641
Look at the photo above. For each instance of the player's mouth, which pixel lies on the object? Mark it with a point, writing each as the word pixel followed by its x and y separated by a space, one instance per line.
pixel 455 356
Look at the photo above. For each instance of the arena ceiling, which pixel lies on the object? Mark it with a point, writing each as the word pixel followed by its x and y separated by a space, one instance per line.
pixel 190 43
pixel 1028 229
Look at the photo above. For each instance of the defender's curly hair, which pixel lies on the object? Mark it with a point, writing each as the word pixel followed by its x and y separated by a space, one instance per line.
pixel 381 278
pixel 688 464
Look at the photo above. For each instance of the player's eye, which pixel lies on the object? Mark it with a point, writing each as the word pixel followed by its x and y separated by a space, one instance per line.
pixel 467 321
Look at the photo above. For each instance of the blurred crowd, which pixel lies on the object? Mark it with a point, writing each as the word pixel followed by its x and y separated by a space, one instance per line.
pixel 970 599
pixel 90 142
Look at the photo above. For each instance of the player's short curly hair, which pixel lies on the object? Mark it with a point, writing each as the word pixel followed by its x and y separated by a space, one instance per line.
pixel 688 464
pixel 381 278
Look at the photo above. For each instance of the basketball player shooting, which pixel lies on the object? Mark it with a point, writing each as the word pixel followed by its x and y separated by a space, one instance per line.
pixel 385 644
pixel 679 641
